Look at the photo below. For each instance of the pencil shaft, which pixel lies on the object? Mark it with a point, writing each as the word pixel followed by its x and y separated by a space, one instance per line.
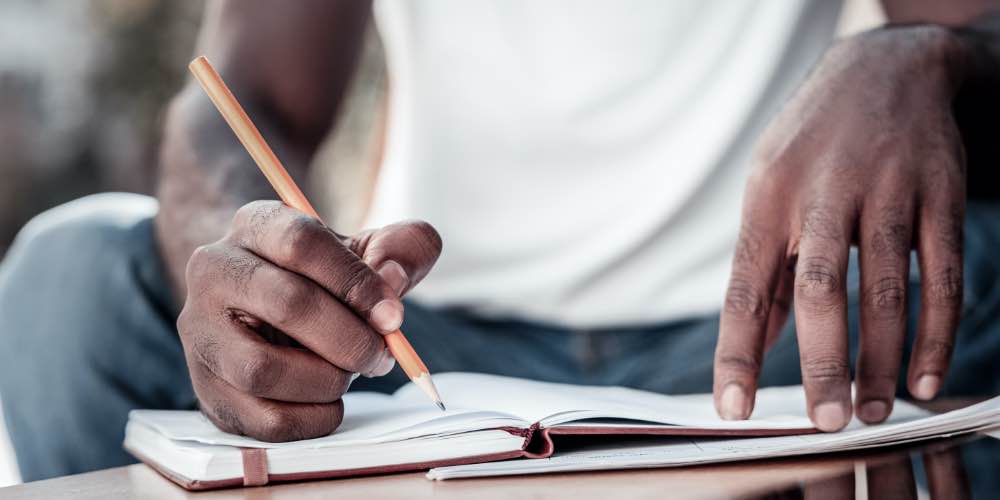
pixel 289 192
pixel 251 138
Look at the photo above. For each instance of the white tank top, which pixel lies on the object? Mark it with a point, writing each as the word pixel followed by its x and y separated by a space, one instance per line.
pixel 584 160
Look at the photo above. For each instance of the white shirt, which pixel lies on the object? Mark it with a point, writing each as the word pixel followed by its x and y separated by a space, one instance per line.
pixel 584 160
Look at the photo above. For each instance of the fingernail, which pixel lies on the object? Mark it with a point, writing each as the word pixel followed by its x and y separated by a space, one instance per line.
pixel 733 405
pixel 394 274
pixel 387 315
pixel 927 386
pixel 873 411
pixel 830 417
pixel 384 365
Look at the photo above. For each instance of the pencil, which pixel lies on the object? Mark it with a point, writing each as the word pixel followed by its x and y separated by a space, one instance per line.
pixel 290 193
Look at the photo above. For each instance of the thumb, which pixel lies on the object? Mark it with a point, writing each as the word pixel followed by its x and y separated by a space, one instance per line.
pixel 401 253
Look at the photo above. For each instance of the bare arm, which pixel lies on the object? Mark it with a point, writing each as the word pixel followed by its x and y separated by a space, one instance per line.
pixel 289 64
pixel 253 282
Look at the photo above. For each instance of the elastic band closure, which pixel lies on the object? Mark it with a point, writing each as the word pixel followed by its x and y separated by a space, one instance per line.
pixel 254 466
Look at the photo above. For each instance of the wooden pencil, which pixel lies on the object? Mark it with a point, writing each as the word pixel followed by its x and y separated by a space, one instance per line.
pixel 290 193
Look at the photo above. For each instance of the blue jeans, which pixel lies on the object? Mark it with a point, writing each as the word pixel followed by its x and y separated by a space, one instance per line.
pixel 87 329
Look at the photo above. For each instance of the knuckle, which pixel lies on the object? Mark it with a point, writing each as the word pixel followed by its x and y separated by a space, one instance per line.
pixel 258 373
pixel 340 383
pixel 745 300
pixel 427 237
pixel 185 321
pixel 224 416
pixel 936 351
pixel 254 214
pixel 245 213
pixel 300 236
pixel 821 222
pixel 255 207
pixel 337 414
pixel 825 369
pixel 361 347
pixel 892 241
pixel 239 268
pixel 292 300
pixel 770 156
pixel 260 208
pixel 818 282
pixel 877 373
pixel 361 288
pixel 749 244
pixel 201 264
pixel 944 289
pixel 278 424
pixel 886 297
pixel 740 364
pixel 950 223
pixel 207 348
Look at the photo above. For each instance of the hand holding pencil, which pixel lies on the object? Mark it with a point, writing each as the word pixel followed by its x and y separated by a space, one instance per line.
pixel 281 272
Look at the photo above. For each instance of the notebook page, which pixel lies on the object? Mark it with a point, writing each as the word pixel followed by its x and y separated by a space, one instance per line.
pixel 553 404
pixel 368 418
pixel 907 424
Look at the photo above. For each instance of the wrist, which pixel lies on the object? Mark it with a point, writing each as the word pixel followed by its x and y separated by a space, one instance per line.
pixel 939 53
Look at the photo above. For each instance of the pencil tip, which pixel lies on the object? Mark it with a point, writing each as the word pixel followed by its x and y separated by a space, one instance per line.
pixel 440 405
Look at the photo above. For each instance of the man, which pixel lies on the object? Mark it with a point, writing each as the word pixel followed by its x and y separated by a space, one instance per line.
pixel 584 165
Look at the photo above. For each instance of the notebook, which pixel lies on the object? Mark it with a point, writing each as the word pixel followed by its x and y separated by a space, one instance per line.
pixel 906 424
pixel 489 419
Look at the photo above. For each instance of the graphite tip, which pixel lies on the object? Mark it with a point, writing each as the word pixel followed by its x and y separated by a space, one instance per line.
pixel 440 405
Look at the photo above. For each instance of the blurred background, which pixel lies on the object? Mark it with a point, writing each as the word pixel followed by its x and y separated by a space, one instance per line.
pixel 82 88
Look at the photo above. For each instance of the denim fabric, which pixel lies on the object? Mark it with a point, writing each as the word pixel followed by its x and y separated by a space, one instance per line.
pixel 87 328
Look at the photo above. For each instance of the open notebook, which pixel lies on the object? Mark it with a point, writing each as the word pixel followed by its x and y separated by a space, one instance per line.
pixel 907 424
pixel 489 418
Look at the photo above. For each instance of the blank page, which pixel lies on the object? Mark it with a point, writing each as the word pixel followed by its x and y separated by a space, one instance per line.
pixel 906 424
pixel 553 404
pixel 368 418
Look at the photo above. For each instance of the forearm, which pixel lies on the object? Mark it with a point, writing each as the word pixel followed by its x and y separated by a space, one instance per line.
pixel 205 175
pixel 289 64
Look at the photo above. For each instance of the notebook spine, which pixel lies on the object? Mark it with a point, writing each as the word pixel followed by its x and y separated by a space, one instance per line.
pixel 537 442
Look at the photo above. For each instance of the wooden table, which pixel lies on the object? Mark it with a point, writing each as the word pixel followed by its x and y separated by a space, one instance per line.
pixel 139 481
pixel 718 481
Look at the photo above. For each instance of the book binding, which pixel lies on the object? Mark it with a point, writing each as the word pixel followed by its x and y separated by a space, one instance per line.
pixel 538 443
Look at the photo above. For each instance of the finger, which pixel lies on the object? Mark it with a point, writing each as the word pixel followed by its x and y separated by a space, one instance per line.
pixel 893 480
pixel 296 306
pixel 884 258
pixel 837 487
pixel 946 475
pixel 294 241
pixel 401 253
pixel 264 419
pixel 781 304
pixel 756 264
pixel 821 314
pixel 939 252
pixel 234 353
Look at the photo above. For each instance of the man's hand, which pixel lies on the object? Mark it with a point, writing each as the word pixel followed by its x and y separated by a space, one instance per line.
pixel 867 153
pixel 281 275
